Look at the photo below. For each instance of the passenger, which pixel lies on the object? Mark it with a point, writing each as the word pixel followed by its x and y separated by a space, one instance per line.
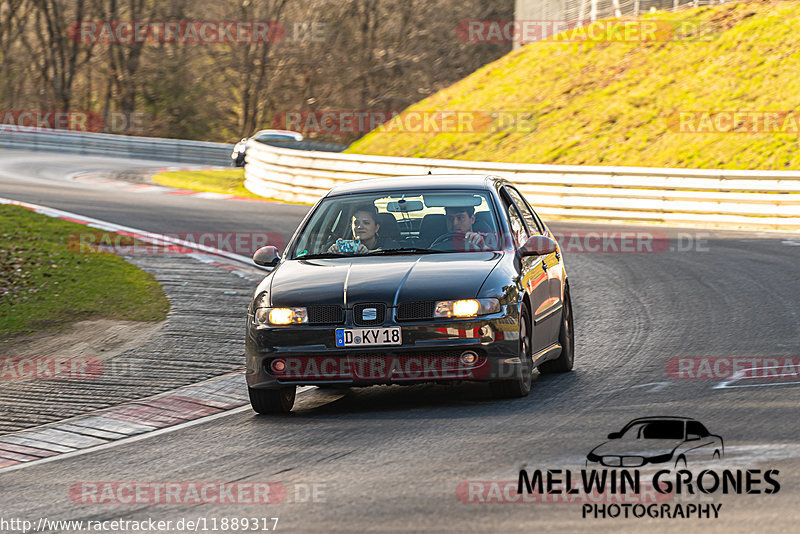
pixel 365 230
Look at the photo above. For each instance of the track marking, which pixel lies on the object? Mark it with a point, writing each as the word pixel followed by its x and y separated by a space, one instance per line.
pixel 138 437
pixel 741 375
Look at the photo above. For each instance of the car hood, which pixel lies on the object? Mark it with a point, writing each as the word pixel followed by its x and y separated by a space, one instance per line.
pixel 387 279
pixel 637 447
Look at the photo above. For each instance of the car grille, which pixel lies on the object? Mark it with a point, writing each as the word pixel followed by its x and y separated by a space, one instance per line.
pixel 622 461
pixel 358 314
pixel 414 311
pixel 325 315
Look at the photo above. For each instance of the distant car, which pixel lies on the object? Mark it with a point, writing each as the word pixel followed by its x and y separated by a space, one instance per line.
pixel 268 137
pixel 658 440
pixel 406 280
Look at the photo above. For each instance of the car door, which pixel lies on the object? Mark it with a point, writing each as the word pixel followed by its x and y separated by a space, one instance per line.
pixel 547 317
pixel 557 273
pixel 700 445
pixel 533 276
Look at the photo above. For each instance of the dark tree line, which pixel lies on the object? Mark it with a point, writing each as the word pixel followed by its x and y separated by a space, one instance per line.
pixel 325 55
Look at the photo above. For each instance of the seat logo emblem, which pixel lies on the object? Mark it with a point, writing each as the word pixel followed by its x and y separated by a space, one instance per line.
pixel 369 314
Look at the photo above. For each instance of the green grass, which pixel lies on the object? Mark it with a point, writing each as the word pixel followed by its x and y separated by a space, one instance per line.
pixel 613 103
pixel 45 283
pixel 228 181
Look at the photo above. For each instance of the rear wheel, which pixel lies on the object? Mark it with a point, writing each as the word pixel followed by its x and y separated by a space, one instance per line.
pixel 521 385
pixel 266 401
pixel 566 338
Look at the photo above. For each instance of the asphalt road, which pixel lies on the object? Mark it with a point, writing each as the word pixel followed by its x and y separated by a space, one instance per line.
pixel 393 458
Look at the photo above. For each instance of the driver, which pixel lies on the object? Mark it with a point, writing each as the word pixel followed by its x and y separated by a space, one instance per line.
pixel 460 220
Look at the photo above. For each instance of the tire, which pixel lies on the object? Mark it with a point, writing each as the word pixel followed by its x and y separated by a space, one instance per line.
pixel 566 338
pixel 266 401
pixel 521 385
pixel 680 460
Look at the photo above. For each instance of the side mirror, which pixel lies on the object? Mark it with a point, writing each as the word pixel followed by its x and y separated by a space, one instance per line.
pixel 266 257
pixel 614 435
pixel 539 245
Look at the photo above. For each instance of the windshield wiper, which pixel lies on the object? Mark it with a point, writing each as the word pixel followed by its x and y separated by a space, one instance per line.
pixel 386 252
pixel 323 255
pixel 407 250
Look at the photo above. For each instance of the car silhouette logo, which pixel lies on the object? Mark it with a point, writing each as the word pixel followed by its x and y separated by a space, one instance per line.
pixel 369 314
pixel 658 440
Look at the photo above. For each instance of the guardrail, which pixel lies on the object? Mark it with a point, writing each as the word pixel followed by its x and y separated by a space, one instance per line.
pixel 126 146
pixel 306 144
pixel 746 199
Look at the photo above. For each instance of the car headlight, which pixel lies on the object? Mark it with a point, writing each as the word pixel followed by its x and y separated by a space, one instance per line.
pixel 280 316
pixel 466 307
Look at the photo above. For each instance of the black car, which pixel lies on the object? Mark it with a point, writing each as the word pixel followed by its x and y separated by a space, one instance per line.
pixel 658 440
pixel 406 280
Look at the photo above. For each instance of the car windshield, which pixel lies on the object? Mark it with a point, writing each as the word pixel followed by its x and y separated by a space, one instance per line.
pixel 415 222
pixel 272 137
pixel 656 430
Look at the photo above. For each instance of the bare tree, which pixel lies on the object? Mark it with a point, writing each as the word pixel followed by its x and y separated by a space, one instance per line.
pixel 60 55
pixel 373 55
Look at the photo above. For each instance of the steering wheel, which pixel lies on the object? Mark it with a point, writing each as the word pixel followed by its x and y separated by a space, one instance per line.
pixel 468 245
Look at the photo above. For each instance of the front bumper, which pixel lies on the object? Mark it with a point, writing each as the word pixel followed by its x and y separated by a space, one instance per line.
pixel 430 352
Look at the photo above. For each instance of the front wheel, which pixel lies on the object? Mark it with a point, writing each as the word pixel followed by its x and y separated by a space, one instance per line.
pixel 521 385
pixel 266 401
pixel 566 338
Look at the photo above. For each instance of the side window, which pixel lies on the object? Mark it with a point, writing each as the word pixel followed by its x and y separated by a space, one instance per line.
pixel 524 209
pixel 694 427
pixel 539 222
pixel 518 231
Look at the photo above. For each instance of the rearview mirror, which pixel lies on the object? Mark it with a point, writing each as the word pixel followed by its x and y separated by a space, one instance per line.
pixel 404 205
pixel 266 256
pixel 539 245
pixel 614 435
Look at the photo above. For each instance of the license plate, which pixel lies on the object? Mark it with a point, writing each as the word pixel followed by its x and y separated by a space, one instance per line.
pixel 367 337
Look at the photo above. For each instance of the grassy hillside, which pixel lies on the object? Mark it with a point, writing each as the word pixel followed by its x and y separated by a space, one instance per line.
pixel 616 103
